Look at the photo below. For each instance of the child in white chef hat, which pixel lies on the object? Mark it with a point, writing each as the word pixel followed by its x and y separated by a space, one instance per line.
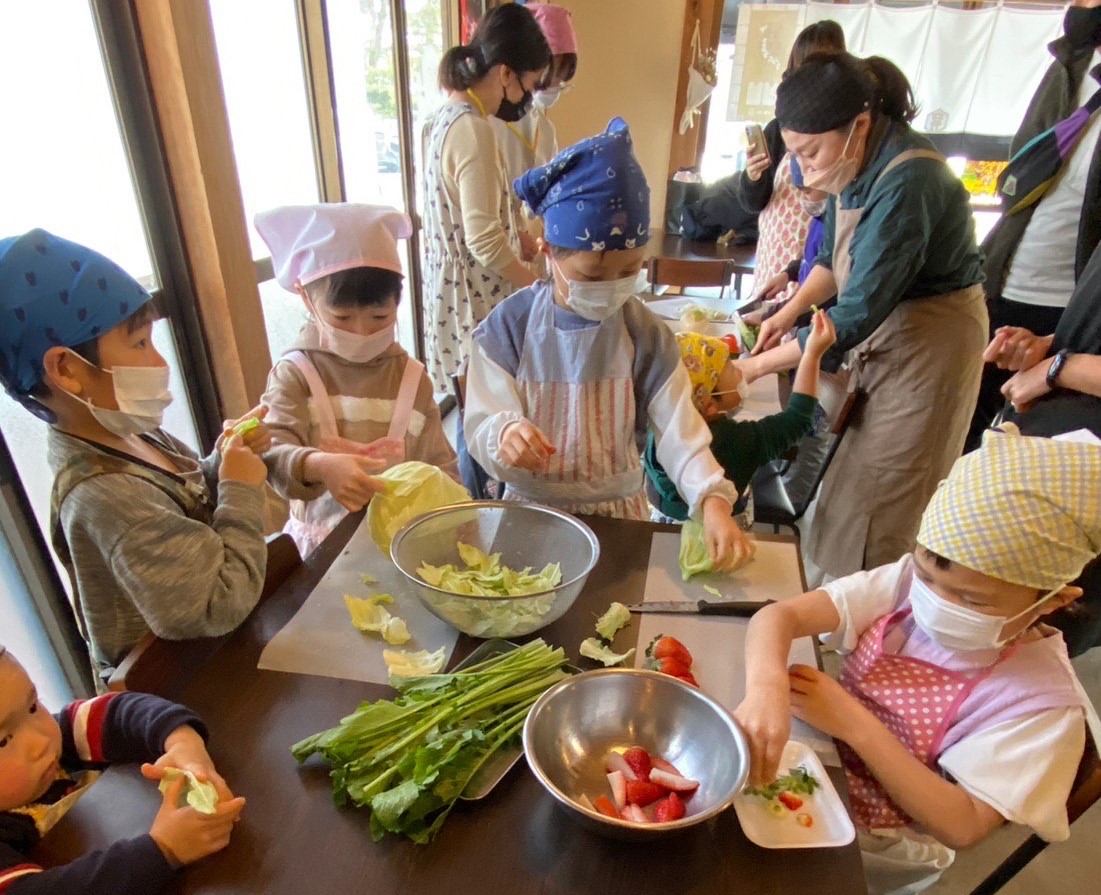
pixel 347 399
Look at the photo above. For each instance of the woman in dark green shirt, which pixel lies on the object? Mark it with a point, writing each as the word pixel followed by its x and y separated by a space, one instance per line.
pixel 900 254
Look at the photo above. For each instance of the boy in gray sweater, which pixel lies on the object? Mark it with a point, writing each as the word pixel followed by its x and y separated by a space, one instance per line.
pixel 153 538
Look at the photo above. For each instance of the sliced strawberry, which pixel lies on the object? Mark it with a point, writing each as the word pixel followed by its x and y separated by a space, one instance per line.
pixel 643 792
pixel 671 808
pixel 604 805
pixel 662 765
pixel 687 678
pixel 670 666
pixel 673 781
pixel 619 788
pixel 804 820
pixel 616 762
pixel 639 760
pixel 634 814
pixel 662 647
pixel 790 801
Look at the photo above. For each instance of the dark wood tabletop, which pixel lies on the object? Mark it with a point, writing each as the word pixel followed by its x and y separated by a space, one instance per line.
pixel 293 841
pixel 743 256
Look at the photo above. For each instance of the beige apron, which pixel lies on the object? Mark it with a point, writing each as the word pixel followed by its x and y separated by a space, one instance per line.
pixel 920 370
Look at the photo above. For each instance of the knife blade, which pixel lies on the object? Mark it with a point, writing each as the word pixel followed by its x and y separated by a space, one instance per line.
pixel 739 608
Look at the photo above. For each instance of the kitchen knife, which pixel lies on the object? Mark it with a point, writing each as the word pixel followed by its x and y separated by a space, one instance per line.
pixel 740 608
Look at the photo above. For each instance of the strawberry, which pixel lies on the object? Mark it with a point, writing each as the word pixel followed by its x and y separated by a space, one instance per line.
pixel 634 814
pixel 662 765
pixel 662 647
pixel 673 781
pixel 670 666
pixel 687 678
pixel 604 805
pixel 615 762
pixel 643 792
pixel 619 788
pixel 671 808
pixel 731 342
pixel 790 801
pixel 639 760
pixel 804 820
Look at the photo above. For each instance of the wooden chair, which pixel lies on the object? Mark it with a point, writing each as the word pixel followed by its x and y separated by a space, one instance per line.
pixel 1085 793
pixel 161 666
pixel 684 272
pixel 771 503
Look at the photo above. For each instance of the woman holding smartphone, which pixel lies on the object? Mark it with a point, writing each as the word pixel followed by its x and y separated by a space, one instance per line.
pixel 765 186
pixel 899 252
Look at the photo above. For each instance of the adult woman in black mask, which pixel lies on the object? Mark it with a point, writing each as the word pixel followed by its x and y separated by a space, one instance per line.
pixel 899 251
pixel 472 245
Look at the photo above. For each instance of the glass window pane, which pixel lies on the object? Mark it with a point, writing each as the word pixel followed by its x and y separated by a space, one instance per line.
pixel 260 59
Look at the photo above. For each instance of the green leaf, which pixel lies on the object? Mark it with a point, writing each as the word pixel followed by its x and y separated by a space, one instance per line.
pixel 693 557
pixel 591 648
pixel 203 797
pixel 615 617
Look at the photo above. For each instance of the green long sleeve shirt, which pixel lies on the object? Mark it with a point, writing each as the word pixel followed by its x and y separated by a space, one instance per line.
pixel 915 239
pixel 741 447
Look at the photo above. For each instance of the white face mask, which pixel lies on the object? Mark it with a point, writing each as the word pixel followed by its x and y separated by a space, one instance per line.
pixel 814 209
pixel 600 299
pixel 960 627
pixel 352 346
pixel 838 175
pixel 544 99
pixel 142 395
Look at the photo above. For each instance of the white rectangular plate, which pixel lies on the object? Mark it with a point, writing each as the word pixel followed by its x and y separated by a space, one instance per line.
pixel 832 825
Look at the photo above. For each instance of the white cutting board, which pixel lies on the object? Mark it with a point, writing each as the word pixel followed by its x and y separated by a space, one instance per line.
pixel 717 644
pixel 320 638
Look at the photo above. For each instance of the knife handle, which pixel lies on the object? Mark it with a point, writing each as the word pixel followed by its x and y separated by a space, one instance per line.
pixel 740 608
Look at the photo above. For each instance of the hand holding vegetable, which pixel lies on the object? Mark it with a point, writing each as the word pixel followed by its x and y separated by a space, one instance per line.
pixel 524 446
pixel 765 716
pixel 822 335
pixel 239 464
pixel 185 835
pixel 255 435
pixel 347 477
pixel 773 329
pixel 184 749
pixel 727 544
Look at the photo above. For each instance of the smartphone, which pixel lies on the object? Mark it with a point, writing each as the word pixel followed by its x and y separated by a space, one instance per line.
pixel 755 140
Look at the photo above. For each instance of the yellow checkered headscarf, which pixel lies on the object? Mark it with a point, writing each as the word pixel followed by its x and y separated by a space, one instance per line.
pixel 705 357
pixel 1020 509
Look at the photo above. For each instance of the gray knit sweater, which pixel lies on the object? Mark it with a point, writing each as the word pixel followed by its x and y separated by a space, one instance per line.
pixel 140 564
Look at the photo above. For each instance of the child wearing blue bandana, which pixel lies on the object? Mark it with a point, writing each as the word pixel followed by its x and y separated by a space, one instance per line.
pixel 567 375
pixel 153 538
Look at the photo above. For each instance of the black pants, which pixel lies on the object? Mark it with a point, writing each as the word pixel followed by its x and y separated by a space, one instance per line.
pixel 1038 319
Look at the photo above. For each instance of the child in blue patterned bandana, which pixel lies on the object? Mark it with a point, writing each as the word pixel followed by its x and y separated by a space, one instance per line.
pixel 47 762
pixel 567 374
pixel 153 538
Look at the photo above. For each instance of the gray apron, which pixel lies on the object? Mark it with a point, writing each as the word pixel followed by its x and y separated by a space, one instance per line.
pixel 920 370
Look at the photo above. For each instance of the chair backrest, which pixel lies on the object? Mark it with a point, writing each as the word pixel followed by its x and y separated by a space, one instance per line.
pixel 1084 794
pixel 845 416
pixel 685 272
pixel 162 666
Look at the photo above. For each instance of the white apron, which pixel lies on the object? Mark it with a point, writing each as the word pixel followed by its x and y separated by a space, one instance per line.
pixel 920 370
pixel 578 388
pixel 311 521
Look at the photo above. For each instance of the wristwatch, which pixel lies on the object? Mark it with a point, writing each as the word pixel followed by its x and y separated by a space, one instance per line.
pixel 1057 367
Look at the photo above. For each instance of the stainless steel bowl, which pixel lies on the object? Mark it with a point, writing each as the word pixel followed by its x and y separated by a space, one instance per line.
pixel 576 723
pixel 525 535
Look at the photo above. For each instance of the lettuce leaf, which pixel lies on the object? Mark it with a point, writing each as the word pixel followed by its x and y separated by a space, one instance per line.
pixel 694 558
pixel 412 488
pixel 615 617
pixel 591 648
pixel 402 663
pixel 369 616
pixel 203 797
pixel 484 576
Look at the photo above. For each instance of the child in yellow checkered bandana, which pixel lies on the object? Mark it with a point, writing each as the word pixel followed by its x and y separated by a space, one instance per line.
pixel 957 708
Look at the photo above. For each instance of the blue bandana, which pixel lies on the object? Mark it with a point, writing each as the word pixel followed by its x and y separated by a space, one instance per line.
pixel 55 292
pixel 592 196
pixel 796 174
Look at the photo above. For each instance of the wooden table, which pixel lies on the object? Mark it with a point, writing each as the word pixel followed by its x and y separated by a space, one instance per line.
pixel 293 841
pixel 743 256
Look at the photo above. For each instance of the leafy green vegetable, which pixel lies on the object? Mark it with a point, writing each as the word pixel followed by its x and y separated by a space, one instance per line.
pixel 246 426
pixel 591 648
pixel 749 334
pixel 694 558
pixel 693 313
pixel 412 488
pixel 714 591
pixel 369 616
pixel 368 579
pixel 484 576
pixel 797 781
pixel 402 663
pixel 615 617
pixel 203 797
pixel 409 759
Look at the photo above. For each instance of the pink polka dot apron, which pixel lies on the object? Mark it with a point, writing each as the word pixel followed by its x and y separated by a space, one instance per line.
pixel 915 700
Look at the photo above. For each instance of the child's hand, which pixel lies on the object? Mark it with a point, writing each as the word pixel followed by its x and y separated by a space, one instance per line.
pixel 347 477
pixel 257 438
pixel 765 716
pixel 727 544
pixel 185 749
pixel 524 446
pixel 822 335
pixel 240 464
pixel 823 703
pixel 184 835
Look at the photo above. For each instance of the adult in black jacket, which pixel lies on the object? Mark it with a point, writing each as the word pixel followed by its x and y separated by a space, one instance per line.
pixel 1034 257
